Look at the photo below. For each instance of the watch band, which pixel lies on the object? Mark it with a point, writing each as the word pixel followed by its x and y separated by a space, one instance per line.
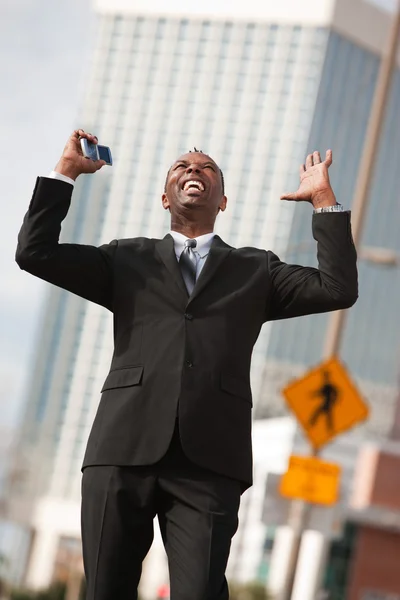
pixel 334 208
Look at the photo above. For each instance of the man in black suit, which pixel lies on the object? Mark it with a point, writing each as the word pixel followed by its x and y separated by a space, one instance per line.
pixel 172 434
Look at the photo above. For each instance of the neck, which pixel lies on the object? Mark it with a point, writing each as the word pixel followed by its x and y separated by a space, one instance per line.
pixel 191 230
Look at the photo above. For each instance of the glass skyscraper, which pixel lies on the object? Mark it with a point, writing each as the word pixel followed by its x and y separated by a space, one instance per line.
pixel 371 342
pixel 257 88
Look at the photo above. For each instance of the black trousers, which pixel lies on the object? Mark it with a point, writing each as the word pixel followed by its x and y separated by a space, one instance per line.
pixel 197 512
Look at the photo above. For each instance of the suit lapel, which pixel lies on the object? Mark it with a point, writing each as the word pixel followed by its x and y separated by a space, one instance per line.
pixel 218 253
pixel 165 250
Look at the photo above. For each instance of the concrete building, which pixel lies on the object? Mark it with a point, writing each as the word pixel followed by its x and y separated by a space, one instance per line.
pixel 256 85
pixel 375 507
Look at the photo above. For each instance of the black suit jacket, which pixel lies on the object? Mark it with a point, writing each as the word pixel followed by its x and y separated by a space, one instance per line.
pixel 179 355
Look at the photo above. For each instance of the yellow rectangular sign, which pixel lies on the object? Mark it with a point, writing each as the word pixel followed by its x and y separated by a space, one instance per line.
pixel 311 479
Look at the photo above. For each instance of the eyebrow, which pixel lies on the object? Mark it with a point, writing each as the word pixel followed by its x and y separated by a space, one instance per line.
pixel 185 162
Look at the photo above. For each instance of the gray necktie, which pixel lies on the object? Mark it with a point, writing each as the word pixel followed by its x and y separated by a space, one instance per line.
pixel 188 264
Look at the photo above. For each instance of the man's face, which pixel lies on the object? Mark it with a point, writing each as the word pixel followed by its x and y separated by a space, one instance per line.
pixel 194 182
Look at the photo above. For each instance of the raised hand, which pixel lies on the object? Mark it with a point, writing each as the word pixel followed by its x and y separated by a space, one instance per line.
pixel 72 162
pixel 314 185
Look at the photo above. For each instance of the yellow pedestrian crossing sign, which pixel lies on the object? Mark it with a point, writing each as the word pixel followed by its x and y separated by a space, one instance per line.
pixel 326 402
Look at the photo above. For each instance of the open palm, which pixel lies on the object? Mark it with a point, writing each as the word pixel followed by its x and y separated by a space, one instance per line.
pixel 314 178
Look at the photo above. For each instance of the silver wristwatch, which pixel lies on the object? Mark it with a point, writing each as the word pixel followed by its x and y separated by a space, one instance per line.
pixel 334 208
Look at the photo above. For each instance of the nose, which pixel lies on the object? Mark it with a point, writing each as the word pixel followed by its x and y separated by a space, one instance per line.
pixel 192 169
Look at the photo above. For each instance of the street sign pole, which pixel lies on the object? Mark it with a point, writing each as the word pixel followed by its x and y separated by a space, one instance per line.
pixel 317 481
pixel 299 516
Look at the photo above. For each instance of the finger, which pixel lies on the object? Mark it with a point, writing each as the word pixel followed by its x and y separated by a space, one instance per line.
pixel 81 133
pixel 328 158
pixel 289 196
pixel 92 138
pixel 302 169
pixel 75 137
pixel 309 161
pixel 316 157
pixel 93 165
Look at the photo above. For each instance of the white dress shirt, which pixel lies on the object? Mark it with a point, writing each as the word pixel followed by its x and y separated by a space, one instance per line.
pixel 201 251
pixel 55 175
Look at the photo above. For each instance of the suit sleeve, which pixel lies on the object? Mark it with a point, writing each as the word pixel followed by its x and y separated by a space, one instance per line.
pixel 81 269
pixel 298 290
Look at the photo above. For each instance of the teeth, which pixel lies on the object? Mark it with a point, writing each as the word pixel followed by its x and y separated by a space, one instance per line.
pixel 196 184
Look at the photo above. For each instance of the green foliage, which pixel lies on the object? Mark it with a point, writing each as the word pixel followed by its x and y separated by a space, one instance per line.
pixel 250 591
pixel 21 595
pixel 82 591
pixel 54 592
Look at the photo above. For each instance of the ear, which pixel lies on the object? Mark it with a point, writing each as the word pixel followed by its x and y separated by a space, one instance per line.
pixel 165 202
pixel 223 203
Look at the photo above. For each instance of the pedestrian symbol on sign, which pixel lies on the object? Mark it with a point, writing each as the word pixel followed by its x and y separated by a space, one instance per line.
pixel 325 401
pixel 329 395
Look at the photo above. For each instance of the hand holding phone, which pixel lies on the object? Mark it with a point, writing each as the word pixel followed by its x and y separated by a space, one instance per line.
pixel 95 151
pixel 74 162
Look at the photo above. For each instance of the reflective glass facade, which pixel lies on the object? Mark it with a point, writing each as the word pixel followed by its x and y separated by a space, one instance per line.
pixel 371 346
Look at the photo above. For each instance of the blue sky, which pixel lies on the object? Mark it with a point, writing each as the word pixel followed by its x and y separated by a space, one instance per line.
pixel 44 50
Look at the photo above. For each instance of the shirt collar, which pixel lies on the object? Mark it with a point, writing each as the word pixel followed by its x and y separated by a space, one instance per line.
pixel 203 243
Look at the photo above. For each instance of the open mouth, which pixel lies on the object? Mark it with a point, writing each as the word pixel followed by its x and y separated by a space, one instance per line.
pixel 194 186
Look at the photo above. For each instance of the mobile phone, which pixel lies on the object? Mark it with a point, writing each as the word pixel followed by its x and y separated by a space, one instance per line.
pixel 96 152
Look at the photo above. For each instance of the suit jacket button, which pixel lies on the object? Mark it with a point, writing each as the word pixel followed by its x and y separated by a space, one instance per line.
pixel 189 364
pixel 188 316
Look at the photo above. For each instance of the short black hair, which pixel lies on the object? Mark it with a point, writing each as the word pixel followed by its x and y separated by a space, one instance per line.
pixel 200 152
